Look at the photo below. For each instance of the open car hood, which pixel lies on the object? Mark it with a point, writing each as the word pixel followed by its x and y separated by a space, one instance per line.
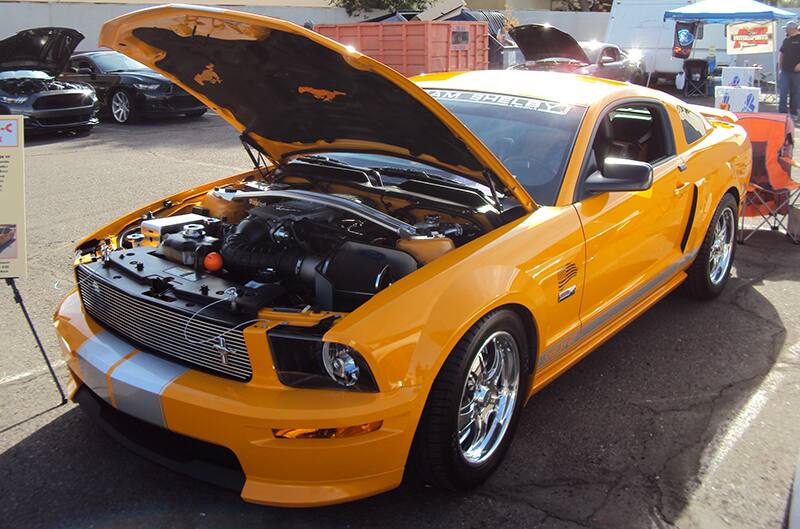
pixel 44 49
pixel 539 41
pixel 292 91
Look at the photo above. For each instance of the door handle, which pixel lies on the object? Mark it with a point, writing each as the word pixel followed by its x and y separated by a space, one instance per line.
pixel 682 166
pixel 680 187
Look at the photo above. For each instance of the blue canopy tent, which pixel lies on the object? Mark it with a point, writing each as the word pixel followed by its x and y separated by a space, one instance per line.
pixel 731 12
pixel 728 12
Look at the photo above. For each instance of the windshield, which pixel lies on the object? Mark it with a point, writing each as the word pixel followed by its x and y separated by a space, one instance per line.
pixel 116 62
pixel 593 52
pixel 532 137
pixel 25 74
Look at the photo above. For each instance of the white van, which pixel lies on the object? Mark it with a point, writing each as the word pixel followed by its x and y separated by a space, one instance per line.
pixel 640 25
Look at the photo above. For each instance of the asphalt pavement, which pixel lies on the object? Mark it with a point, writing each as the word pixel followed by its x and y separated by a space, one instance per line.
pixel 688 418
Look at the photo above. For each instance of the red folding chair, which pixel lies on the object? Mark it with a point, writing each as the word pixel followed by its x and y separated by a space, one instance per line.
pixel 771 192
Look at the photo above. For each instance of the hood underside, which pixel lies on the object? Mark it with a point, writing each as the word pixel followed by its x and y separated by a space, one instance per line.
pixel 539 41
pixel 44 49
pixel 292 91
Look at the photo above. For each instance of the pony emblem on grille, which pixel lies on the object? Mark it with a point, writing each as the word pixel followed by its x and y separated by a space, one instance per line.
pixel 222 349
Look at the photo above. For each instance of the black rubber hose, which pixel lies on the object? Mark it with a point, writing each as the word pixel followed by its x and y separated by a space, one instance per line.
pixel 249 249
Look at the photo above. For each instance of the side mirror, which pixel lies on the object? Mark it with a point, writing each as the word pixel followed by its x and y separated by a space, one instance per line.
pixel 605 59
pixel 84 71
pixel 619 174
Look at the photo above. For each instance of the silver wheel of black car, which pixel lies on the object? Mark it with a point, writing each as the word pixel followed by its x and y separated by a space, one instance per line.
pixel 474 405
pixel 121 107
pixel 488 398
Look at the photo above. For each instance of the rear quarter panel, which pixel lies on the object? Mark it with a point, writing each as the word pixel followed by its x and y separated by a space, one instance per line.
pixel 718 163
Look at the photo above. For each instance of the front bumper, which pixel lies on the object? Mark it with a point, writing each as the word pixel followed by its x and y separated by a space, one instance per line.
pixel 60 119
pixel 241 417
pixel 168 104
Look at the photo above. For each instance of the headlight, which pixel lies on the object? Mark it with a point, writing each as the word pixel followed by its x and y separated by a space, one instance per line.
pixel 303 360
pixel 143 86
pixel 14 100
pixel 340 364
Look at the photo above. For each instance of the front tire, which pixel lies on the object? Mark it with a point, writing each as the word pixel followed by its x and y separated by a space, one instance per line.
pixel 711 269
pixel 474 405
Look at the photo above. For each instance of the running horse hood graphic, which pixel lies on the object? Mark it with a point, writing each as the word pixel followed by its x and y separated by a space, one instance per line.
pixel 291 91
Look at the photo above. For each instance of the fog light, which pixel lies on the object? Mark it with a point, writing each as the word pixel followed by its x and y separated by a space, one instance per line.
pixel 340 364
pixel 326 433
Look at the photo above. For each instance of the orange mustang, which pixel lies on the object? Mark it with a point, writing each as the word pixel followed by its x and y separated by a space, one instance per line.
pixel 408 263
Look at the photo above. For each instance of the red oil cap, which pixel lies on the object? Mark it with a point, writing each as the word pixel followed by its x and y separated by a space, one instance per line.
pixel 213 262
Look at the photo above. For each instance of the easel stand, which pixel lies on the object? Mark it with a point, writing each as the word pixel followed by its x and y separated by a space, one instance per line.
pixel 10 281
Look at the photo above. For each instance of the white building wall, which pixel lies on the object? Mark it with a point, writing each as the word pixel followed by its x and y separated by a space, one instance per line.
pixel 581 25
pixel 88 17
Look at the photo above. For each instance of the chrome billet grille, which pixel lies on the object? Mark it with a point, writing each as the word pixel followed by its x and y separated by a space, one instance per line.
pixel 161 331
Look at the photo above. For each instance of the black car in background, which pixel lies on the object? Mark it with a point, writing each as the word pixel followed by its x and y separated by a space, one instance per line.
pixel 129 90
pixel 30 61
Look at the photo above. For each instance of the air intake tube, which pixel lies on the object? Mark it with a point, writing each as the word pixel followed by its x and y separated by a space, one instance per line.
pixel 250 251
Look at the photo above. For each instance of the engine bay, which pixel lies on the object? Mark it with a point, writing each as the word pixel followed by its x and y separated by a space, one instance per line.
pixel 27 86
pixel 302 237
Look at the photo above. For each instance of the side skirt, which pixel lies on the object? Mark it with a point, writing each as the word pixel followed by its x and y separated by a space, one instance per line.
pixel 592 341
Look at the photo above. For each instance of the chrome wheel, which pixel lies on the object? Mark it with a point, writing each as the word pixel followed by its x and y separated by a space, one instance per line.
pixel 722 246
pixel 121 107
pixel 488 398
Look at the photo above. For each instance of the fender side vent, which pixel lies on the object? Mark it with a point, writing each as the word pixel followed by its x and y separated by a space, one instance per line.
pixel 566 274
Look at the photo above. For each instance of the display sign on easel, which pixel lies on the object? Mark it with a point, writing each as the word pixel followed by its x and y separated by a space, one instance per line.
pixel 12 198
pixel 13 264
pixel 750 37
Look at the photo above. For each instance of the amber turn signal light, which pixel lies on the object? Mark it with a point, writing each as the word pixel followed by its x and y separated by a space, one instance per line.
pixel 326 433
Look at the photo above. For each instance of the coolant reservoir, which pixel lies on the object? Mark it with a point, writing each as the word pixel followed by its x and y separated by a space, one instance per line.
pixel 426 249
pixel 232 211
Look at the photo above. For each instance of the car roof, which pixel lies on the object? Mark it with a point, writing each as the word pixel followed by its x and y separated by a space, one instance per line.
pixel 597 44
pixel 92 52
pixel 566 88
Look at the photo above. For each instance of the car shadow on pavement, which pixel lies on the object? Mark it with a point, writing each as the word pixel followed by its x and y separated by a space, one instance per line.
pixel 616 442
pixel 55 137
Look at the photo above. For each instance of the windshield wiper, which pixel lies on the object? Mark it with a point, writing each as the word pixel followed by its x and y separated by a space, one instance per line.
pixel 320 159
pixel 417 174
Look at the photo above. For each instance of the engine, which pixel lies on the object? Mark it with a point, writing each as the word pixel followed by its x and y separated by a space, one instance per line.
pixel 280 248
pixel 30 86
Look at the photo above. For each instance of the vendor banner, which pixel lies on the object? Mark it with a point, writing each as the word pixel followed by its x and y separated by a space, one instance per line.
pixel 685 33
pixel 12 197
pixel 750 37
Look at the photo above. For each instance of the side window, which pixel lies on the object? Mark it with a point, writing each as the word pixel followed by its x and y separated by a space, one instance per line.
pixel 693 124
pixel 633 132
pixel 610 53
pixel 83 63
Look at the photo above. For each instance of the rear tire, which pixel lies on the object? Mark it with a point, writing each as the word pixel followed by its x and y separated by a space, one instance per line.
pixel 711 269
pixel 465 407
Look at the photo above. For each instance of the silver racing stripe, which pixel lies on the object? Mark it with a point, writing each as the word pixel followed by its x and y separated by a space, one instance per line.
pixel 96 356
pixel 139 382
pixel 556 350
pixel 136 383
